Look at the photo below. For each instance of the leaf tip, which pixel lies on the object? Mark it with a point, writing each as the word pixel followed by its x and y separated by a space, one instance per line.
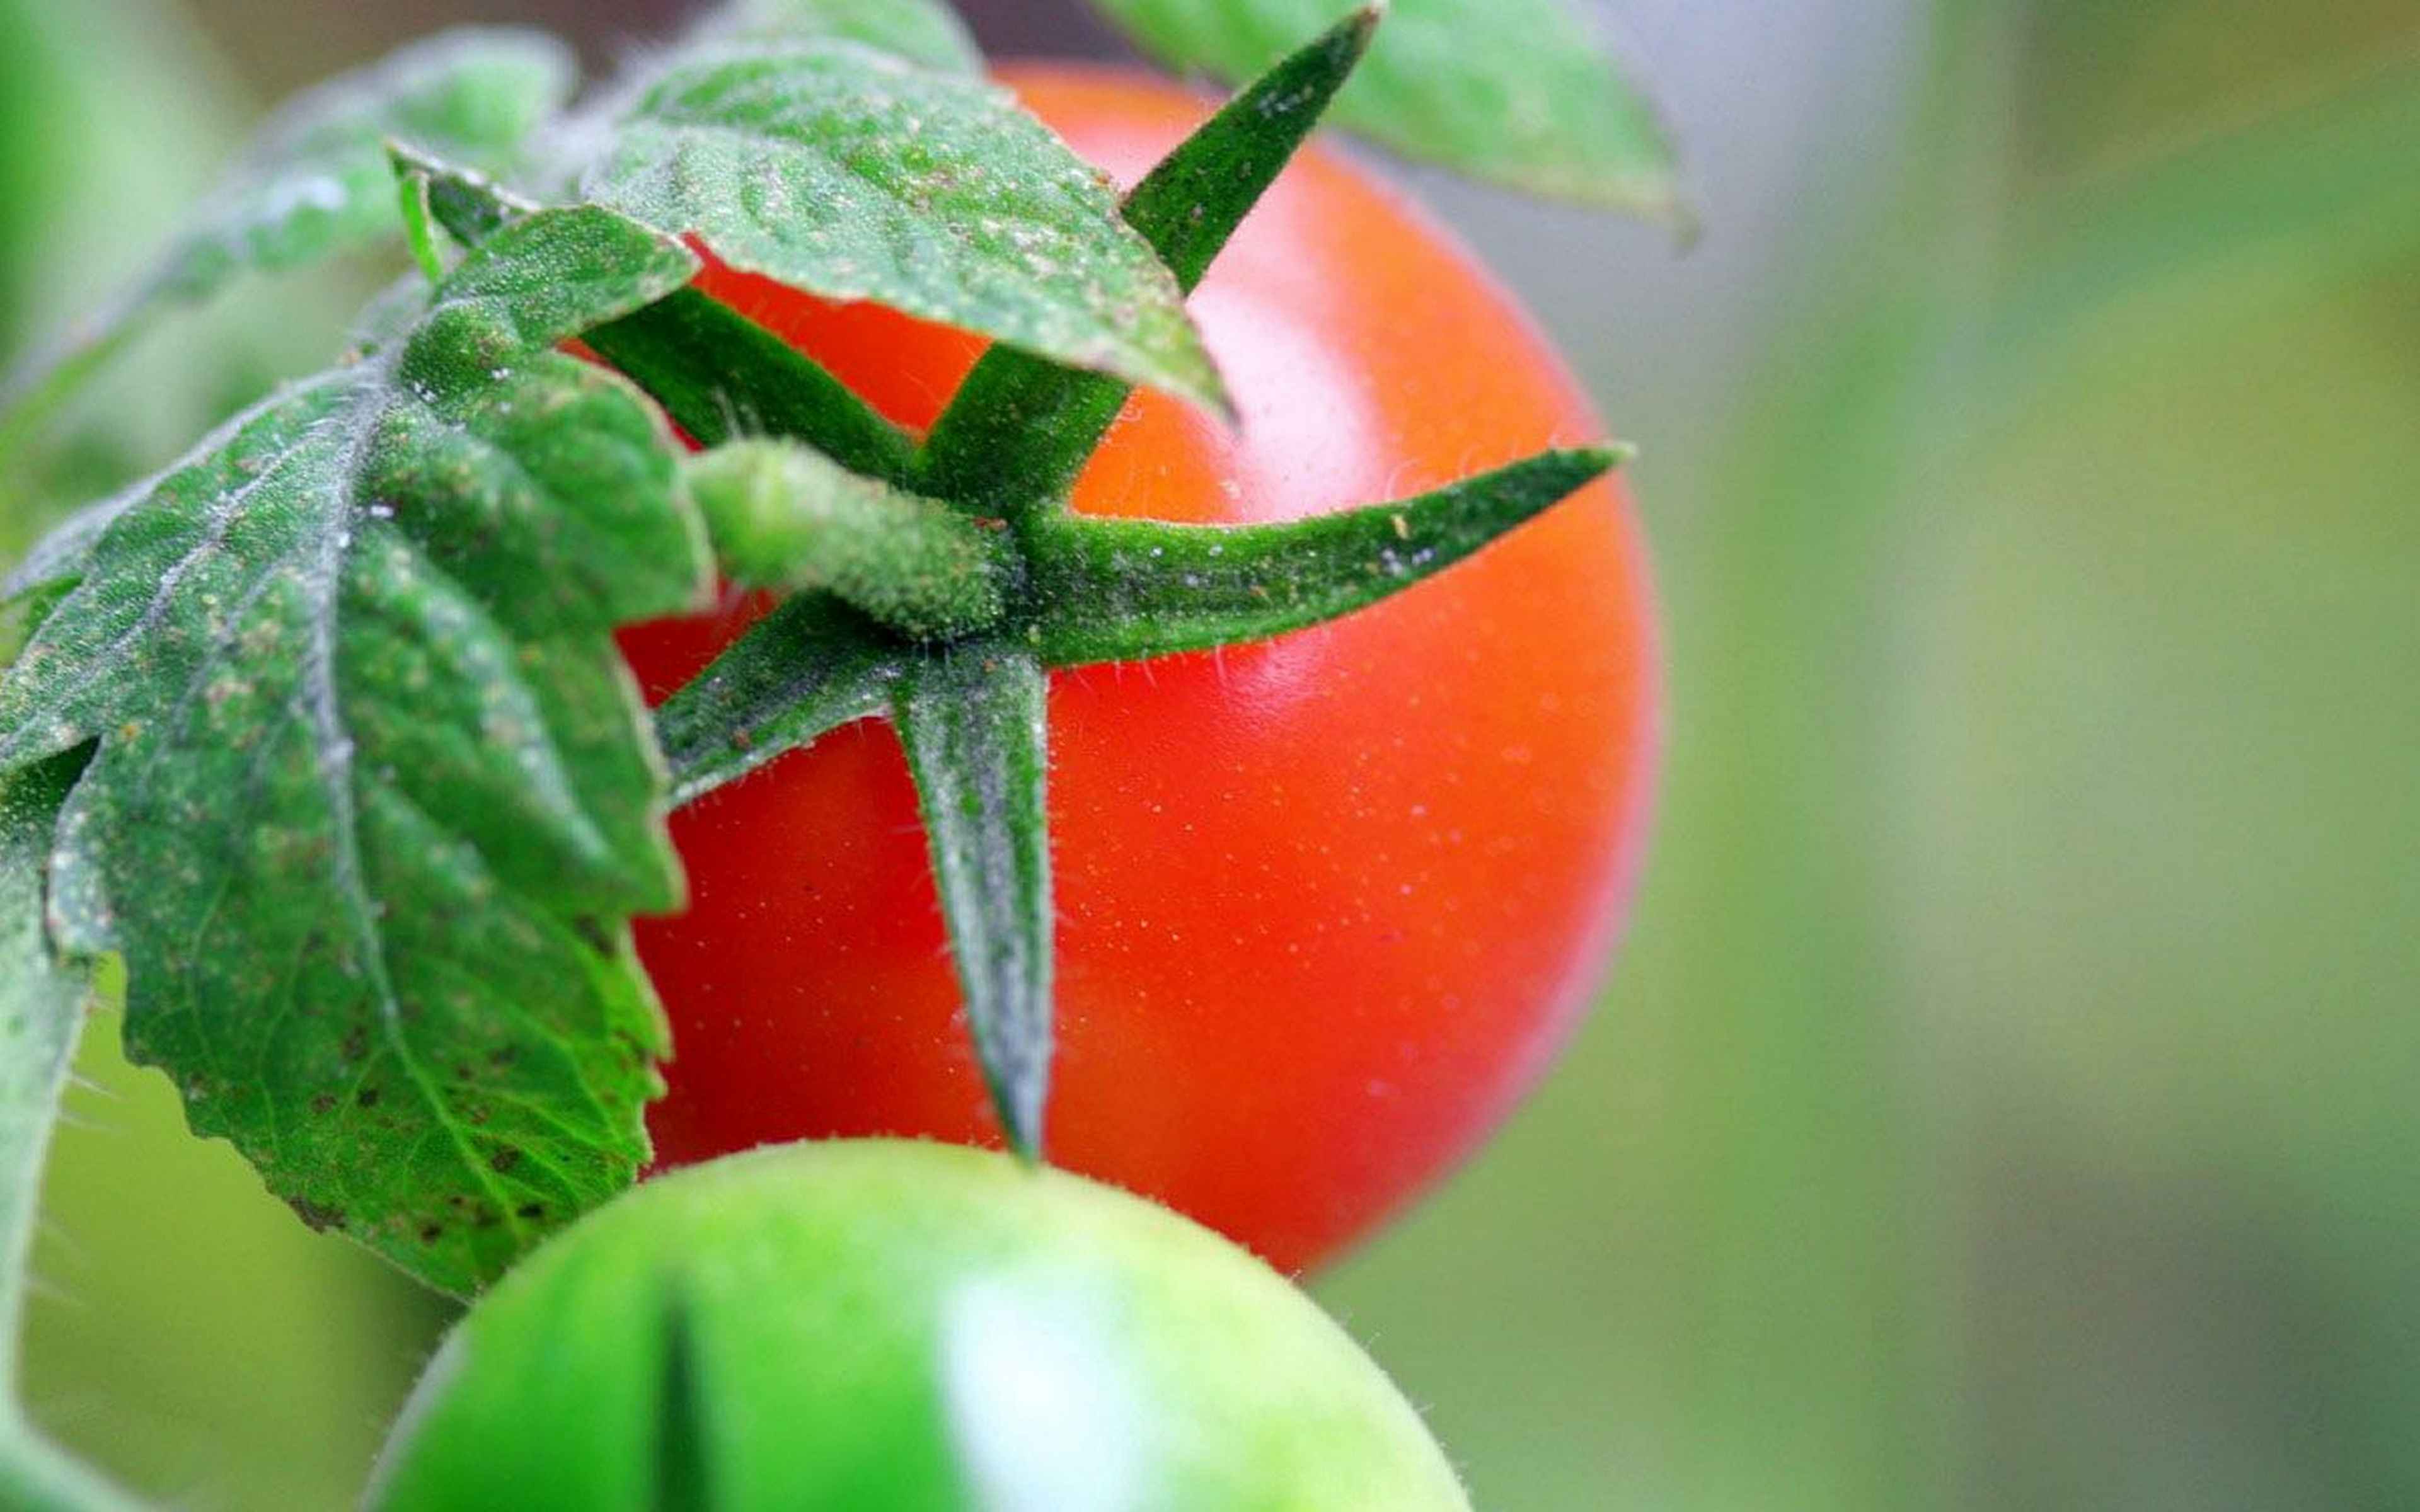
pixel 1214 396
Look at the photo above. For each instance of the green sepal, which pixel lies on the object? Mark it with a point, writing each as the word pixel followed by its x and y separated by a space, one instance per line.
pixel 717 373
pixel 1020 428
pixel 811 665
pixel 721 376
pixel 784 516
pixel 1120 590
pixel 1190 205
pixel 972 721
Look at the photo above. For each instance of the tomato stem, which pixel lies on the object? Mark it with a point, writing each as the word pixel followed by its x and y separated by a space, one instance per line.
pixel 783 516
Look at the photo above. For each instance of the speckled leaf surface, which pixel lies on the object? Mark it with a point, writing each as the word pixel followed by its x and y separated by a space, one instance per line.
pixel 1517 91
pixel 373 796
pixel 926 31
pixel 317 181
pixel 849 173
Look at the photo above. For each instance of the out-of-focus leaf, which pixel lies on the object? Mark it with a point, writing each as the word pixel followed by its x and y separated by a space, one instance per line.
pixel 1516 91
pixel 924 31
pixel 317 181
pixel 93 189
pixel 2324 190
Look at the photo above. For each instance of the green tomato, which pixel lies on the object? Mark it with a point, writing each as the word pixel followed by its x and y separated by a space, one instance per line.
pixel 880 1325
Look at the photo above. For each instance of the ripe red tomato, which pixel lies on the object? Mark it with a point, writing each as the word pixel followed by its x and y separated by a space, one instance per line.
pixel 1327 906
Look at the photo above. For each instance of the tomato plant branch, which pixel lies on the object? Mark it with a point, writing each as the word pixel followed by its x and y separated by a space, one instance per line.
pixel 782 515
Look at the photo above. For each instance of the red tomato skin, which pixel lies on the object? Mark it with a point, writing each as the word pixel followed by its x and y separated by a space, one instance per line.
pixel 1327 905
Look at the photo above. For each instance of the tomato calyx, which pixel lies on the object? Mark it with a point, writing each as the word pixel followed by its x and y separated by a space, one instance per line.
pixel 937 582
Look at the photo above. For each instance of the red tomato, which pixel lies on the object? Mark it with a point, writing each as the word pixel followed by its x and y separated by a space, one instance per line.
pixel 1327 906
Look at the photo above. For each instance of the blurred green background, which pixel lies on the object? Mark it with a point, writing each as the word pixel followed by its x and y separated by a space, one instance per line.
pixel 2007 1097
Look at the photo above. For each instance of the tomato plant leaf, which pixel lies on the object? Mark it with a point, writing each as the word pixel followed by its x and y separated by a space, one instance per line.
pixel 972 721
pixel 1515 91
pixel 373 793
pixel 316 181
pixel 924 31
pixel 811 665
pixel 851 174
pixel 716 372
pixel 1020 427
pixel 782 515
pixel 41 1009
pixel 1117 590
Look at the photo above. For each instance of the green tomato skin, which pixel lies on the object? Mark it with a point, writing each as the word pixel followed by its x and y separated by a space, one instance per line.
pixel 884 1326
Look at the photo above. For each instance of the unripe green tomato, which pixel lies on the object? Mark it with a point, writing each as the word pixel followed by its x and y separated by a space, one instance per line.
pixel 884 1326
